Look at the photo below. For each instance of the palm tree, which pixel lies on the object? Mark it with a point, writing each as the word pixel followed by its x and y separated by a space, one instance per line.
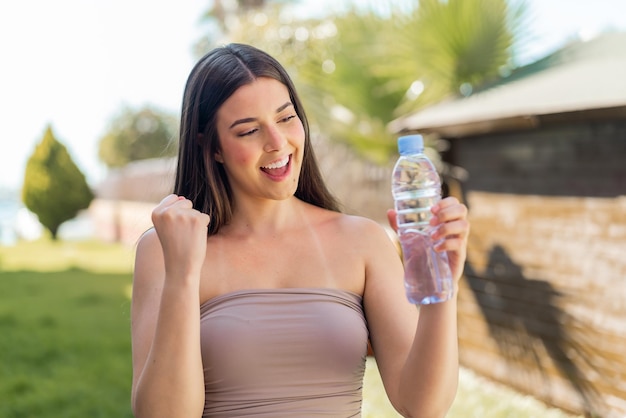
pixel 387 64
pixel 360 70
pixel 452 47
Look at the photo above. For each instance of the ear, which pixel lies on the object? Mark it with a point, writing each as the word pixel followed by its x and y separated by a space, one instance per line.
pixel 218 157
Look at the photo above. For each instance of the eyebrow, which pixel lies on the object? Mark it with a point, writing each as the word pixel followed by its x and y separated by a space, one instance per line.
pixel 247 120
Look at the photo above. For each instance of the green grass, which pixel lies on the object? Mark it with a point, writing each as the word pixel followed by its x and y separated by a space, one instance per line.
pixel 64 327
pixel 65 341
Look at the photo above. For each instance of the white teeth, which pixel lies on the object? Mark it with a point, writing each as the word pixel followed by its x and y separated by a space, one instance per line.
pixel 278 164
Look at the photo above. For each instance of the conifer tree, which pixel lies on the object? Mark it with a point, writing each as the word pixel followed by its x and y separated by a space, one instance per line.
pixel 54 187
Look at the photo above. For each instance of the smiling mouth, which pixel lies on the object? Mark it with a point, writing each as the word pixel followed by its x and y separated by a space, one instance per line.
pixel 277 168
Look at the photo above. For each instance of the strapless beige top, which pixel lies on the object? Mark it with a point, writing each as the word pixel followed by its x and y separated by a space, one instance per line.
pixel 296 352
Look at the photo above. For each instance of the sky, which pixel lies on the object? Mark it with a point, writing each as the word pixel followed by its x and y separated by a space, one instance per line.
pixel 74 64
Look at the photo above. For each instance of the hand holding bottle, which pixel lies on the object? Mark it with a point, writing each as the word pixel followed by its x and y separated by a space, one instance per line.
pixel 451 232
pixel 421 222
pixel 451 218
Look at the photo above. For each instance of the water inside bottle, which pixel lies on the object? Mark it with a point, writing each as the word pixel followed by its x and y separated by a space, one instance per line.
pixel 413 207
pixel 427 275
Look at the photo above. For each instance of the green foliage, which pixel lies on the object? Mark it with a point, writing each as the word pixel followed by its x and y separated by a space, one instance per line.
pixel 349 102
pixel 451 47
pixel 361 69
pixel 54 188
pixel 137 135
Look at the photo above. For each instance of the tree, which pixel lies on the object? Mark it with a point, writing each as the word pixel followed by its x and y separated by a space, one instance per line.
pixel 137 135
pixel 54 188
pixel 361 69
pixel 222 17
pixel 388 62
pixel 450 48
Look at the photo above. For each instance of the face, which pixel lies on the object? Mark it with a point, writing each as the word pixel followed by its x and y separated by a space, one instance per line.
pixel 261 141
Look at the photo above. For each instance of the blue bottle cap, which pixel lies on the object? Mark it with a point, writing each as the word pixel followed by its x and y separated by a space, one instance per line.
pixel 410 144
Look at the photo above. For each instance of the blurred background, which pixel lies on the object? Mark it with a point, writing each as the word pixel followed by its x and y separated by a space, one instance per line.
pixel 523 107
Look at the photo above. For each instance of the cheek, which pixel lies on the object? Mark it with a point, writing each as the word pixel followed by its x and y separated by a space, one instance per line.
pixel 298 133
pixel 241 156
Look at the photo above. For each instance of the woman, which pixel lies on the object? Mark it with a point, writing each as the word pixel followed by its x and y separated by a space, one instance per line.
pixel 253 294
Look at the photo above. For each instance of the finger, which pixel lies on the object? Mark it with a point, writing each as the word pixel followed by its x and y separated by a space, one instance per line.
pixel 458 228
pixel 447 213
pixel 168 200
pixel 392 218
pixel 206 219
pixel 170 205
pixel 183 202
pixel 444 203
pixel 451 244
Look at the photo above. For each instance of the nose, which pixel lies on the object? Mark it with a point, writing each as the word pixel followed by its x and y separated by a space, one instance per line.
pixel 275 140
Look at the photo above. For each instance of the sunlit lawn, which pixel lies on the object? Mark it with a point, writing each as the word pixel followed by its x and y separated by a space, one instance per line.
pixel 476 398
pixel 64 330
pixel 65 341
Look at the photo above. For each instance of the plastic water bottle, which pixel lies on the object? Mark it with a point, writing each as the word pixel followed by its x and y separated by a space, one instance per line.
pixel 416 187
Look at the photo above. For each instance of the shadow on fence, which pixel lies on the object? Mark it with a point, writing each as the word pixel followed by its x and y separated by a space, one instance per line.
pixel 525 321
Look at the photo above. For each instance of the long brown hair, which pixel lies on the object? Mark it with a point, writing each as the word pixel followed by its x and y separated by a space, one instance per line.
pixel 213 79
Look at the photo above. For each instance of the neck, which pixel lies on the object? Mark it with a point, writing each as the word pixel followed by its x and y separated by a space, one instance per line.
pixel 267 218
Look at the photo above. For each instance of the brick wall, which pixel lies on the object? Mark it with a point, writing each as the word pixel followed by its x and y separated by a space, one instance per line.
pixel 543 301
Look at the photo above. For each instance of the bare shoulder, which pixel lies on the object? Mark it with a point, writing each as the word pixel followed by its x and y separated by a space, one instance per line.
pixel 149 244
pixel 364 231
pixel 148 241
pixel 148 258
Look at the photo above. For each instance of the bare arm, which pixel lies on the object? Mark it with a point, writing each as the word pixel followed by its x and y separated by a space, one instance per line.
pixel 167 366
pixel 417 352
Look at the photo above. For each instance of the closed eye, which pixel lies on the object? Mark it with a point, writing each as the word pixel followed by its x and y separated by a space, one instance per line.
pixel 248 133
pixel 288 118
